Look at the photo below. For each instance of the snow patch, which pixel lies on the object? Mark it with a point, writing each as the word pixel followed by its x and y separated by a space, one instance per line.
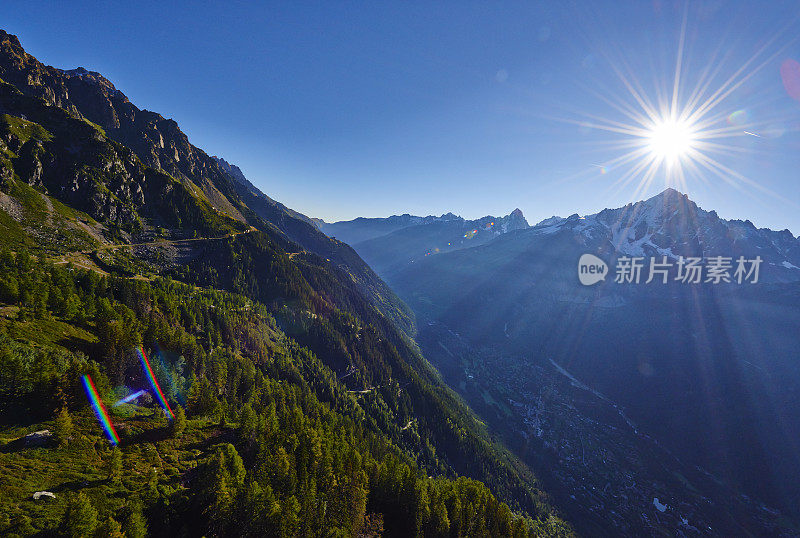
pixel 551 221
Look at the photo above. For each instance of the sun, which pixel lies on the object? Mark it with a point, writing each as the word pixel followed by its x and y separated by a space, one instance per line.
pixel 684 126
pixel 671 140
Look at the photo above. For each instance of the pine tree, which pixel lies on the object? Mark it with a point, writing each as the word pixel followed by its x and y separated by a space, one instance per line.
pixel 25 525
pixel 135 525
pixel 110 528
pixel 178 422
pixel 226 475
pixel 62 429
pixel 114 465
pixel 290 516
pixel 248 425
pixel 222 412
pixel 193 396
pixel 80 519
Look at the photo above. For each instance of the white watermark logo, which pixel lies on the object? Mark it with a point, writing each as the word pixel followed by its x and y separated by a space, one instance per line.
pixel 591 269
pixel 690 270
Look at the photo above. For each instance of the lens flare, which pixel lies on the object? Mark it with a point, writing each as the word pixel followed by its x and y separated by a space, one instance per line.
pixel 790 75
pixel 100 410
pixel 154 382
pixel 740 117
pixel 130 398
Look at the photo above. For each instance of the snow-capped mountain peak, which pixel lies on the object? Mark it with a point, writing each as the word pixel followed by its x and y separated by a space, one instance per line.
pixel 670 224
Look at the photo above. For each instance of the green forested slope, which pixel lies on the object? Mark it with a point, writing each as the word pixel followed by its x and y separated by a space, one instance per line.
pixel 308 354
pixel 274 443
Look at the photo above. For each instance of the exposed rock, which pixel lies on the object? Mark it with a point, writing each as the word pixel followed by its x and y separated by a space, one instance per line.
pixel 29 164
pixel 158 141
pixel 37 438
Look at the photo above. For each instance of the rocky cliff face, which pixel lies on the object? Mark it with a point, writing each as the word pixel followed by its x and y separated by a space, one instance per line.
pixel 157 141
pixel 234 171
pixel 72 160
pixel 514 221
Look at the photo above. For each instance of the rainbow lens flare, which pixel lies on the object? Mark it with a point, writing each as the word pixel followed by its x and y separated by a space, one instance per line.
pixel 154 383
pixel 100 410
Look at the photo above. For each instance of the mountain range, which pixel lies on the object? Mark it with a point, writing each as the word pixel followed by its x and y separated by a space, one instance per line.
pixel 698 381
pixel 671 225
pixel 388 244
pixel 395 376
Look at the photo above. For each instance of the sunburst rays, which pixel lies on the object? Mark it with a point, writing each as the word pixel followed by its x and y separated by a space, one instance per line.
pixel 683 129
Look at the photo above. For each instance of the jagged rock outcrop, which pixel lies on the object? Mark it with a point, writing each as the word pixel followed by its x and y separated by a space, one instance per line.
pixel 157 141
pixel 71 159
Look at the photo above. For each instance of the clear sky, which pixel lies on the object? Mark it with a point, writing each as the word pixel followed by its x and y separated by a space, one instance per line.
pixel 342 109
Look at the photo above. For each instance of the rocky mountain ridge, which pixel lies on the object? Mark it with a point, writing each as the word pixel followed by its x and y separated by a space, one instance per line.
pixel 671 225
pixel 389 244
pixel 365 228
pixel 706 370
pixel 161 145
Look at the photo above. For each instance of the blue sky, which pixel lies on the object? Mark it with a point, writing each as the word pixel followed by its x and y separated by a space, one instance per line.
pixel 342 109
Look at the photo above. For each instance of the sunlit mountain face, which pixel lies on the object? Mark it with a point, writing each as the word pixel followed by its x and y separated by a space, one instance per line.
pixel 697 383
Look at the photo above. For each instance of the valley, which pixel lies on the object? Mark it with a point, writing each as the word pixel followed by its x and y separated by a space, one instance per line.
pixel 606 473
pixel 627 392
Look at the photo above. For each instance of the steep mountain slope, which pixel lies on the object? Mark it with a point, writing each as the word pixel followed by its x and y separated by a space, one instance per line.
pixel 301 458
pixel 236 173
pixel 74 160
pixel 390 244
pixel 707 372
pixel 157 141
pixel 160 144
pixel 300 229
pixel 73 194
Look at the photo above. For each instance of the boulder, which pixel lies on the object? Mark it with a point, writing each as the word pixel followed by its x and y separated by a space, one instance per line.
pixel 37 438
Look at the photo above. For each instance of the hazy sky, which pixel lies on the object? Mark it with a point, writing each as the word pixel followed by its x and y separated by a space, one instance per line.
pixel 345 109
